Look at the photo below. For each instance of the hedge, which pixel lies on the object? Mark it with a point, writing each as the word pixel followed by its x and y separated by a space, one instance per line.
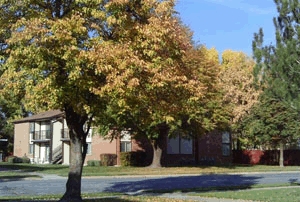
pixel 15 159
pixel 94 163
pixel 108 159
pixel 133 158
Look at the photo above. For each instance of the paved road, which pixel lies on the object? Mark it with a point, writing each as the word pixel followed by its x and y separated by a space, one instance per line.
pixel 51 184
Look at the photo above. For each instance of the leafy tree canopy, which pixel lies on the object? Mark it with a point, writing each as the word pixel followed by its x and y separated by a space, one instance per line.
pixel 121 58
pixel 237 81
pixel 270 122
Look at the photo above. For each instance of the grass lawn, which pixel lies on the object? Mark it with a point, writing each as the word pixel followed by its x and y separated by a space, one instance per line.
pixel 100 197
pixel 114 171
pixel 264 194
pixel 270 193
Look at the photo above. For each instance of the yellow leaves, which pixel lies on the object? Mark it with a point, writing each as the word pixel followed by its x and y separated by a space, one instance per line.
pixel 165 8
pixel 236 79
pixel 134 82
pixel 119 1
pixel 87 109
pixel 140 60
pixel 75 73
pixel 168 119
pixel 232 59
pixel 68 28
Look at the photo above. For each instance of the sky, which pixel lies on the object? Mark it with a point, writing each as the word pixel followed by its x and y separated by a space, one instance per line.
pixel 228 24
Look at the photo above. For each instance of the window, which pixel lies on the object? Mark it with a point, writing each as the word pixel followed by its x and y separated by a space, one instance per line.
pixel 31 127
pixel 180 145
pixel 89 148
pixel 31 148
pixel 125 146
pixel 31 145
pixel 226 144
pixel 125 141
pixel 89 135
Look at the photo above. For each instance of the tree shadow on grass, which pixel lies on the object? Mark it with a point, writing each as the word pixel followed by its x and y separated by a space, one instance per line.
pixel 102 199
pixel 18 177
pixel 184 184
pixel 294 182
pixel 29 167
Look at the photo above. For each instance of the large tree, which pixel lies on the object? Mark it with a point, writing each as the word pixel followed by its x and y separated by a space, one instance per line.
pixel 10 107
pixel 79 56
pixel 240 93
pixel 46 65
pixel 278 65
pixel 176 90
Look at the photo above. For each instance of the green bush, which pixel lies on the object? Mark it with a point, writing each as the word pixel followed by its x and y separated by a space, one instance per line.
pixel 108 159
pixel 15 159
pixel 126 158
pixel 25 159
pixel 10 159
pixel 94 163
pixel 132 158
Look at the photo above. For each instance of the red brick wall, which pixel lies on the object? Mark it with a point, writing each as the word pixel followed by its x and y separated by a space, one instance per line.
pixel 267 157
pixel 210 149
pixel 207 151
pixel 101 146
pixel 143 145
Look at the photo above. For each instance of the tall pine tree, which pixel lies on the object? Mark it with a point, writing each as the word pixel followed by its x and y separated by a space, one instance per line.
pixel 278 66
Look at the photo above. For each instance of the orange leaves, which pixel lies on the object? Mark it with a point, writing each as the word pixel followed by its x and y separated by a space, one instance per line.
pixel 236 79
pixel 134 55
pixel 133 83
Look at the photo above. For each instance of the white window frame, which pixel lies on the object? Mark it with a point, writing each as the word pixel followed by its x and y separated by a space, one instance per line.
pixel 31 148
pixel 31 144
pixel 89 148
pixel 125 140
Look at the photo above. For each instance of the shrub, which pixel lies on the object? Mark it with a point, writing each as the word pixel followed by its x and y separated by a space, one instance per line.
pixel 126 158
pixel 18 160
pixel 25 159
pixel 10 159
pixel 132 158
pixel 15 159
pixel 108 159
pixel 94 163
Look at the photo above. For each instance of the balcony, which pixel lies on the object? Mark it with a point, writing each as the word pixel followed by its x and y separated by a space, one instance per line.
pixel 65 134
pixel 42 135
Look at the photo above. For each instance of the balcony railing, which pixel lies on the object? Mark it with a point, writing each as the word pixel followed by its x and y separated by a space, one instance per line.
pixel 65 133
pixel 42 135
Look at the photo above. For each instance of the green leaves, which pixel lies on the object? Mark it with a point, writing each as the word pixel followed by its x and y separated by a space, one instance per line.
pixel 272 120
pixel 277 70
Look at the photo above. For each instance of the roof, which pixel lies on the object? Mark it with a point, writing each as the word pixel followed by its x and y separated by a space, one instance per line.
pixel 48 115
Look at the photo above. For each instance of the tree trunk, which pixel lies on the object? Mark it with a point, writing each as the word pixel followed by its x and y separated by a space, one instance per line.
pixel 158 146
pixel 73 186
pixel 78 149
pixel 157 153
pixel 281 158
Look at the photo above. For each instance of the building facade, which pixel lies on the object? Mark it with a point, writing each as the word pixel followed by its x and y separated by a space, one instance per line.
pixel 44 138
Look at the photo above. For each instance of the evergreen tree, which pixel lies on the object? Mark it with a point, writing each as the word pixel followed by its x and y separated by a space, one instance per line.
pixel 278 66
pixel 273 124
